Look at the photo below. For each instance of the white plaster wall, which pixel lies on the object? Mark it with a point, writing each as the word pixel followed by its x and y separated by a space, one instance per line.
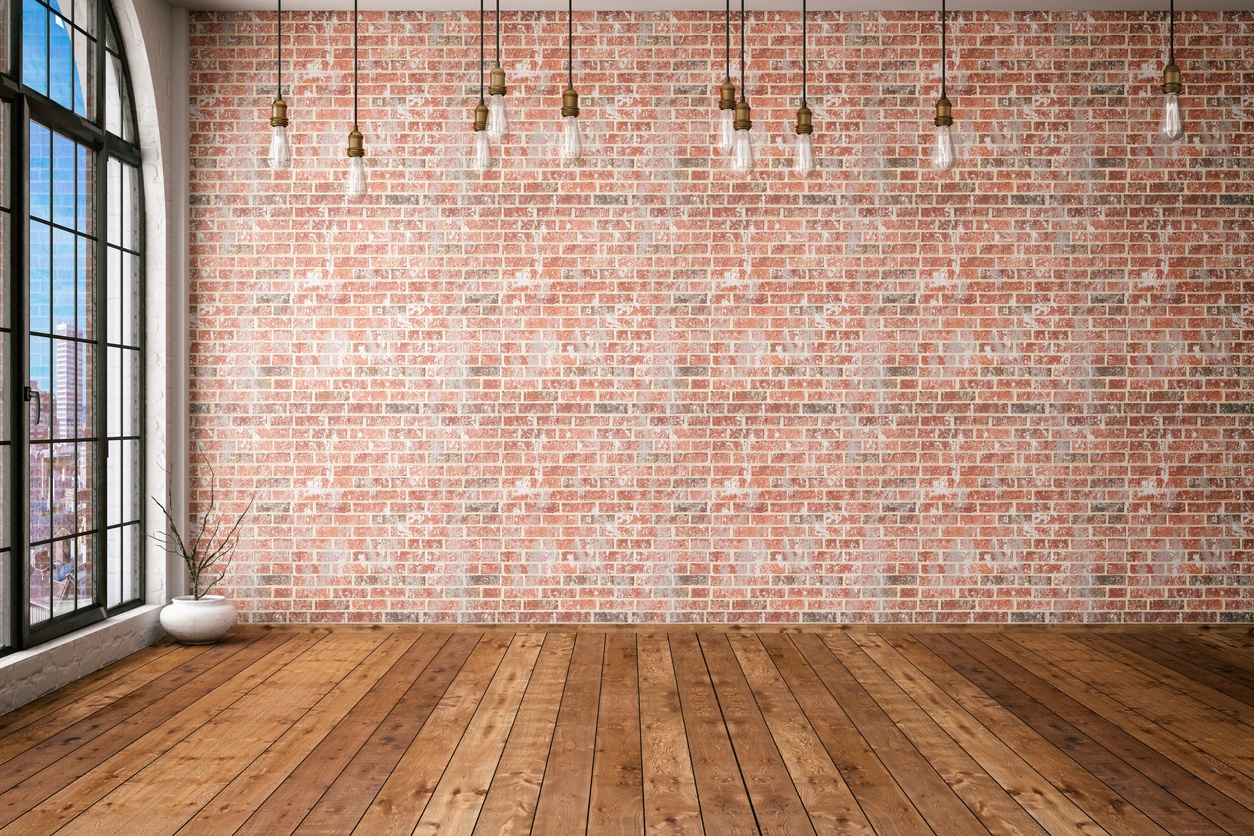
pixel 155 39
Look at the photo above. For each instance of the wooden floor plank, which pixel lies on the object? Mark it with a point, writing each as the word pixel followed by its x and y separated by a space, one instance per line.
pixel 616 803
pixel 278 789
pixel 562 808
pixel 1039 798
pixel 457 798
pixel 56 810
pixel 1025 702
pixel 1203 726
pixel 192 772
pixel 510 804
pixel 1210 804
pixel 827 798
pixel 82 746
pixel 547 730
pixel 401 800
pixel 776 803
pixel 1097 801
pixel 1199 763
pixel 84 696
pixel 987 800
pixel 345 801
pixel 886 807
pixel 671 805
pixel 725 806
pixel 928 791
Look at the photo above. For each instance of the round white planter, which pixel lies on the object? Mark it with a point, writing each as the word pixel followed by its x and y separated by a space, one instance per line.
pixel 206 621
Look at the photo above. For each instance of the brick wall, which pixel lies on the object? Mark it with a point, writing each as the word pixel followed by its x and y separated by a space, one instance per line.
pixel 649 390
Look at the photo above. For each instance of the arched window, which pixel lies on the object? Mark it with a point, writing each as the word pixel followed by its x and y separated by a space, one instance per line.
pixel 71 323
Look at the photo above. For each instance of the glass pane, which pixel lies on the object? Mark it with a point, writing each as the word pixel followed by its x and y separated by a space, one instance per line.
pixel 64 281
pixel 83 13
pixel 40 477
pixel 40 172
pixel 35 46
pixel 4 68
pixel 130 188
pixel 84 75
pixel 130 562
pixel 64 488
pixel 85 302
pixel 40 584
pixel 61 62
pixel 86 415
pixel 5 191
pixel 114 185
pixel 85 489
pixel 113 418
pixel 114 466
pixel 130 299
pixel 84 569
pixel 40 255
pixel 113 316
pixel 114 562
pixel 113 96
pixel 64 181
pixel 130 480
pixel 40 402
pixel 83 170
pixel 130 388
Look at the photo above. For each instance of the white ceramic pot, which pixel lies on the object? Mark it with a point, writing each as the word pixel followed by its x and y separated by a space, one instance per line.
pixel 203 621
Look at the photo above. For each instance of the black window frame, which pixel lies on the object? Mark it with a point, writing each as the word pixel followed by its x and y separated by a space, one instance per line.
pixel 26 106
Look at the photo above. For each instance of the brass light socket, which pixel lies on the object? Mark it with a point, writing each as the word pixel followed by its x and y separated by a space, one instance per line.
pixel 1171 79
pixel 481 117
pixel 355 146
pixel 743 117
pixel 805 123
pixel 496 82
pixel 278 114
pixel 727 96
pixel 944 113
pixel 570 102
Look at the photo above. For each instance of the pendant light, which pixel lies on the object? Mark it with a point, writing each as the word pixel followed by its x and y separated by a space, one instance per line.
pixel 805 121
pixel 356 151
pixel 498 122
pixel 1172 128
pixel 280 151
pixel 725 128
pixel 482 158
pixel 571 148
pixel 943 156
pixel 742 151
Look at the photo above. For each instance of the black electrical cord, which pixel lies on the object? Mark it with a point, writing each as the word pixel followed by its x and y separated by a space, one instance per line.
pixel 803 53
pixel 480 51
pixel 498 32
pixel 354 64
pixel 280 52
pixel 1172 28
pixel 943 49
pixel 742 50
pixel 570 48
pixel 727 32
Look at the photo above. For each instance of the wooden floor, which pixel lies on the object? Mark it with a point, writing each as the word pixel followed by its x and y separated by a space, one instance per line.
pixel 884 730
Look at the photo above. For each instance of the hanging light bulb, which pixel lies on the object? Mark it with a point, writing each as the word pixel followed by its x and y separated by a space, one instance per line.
pixel 571 148
pixel 280 155
pixel 1172 127
pixel 805 120
pixel 943 155
pixel 481 160
pixel 498 121
pixel 725 127
pixel 742 149
pixel 356 149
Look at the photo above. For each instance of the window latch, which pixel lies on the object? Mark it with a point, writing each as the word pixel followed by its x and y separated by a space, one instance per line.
pixel 31 394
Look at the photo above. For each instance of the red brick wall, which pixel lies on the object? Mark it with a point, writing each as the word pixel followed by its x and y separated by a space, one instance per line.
pixel 649 390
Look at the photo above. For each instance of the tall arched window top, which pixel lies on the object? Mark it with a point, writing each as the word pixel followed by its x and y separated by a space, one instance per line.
pixel 71 323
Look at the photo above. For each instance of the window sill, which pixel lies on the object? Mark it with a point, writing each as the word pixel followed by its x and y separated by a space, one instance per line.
pixel 29 674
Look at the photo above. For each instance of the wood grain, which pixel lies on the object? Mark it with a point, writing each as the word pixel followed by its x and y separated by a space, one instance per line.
pixel 1136 731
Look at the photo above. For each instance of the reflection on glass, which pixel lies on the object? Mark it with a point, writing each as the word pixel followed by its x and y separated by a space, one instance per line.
pixel 83 173
pixel 113 563
pixel 64 274
pixel 85 300
pixel 35 46
pixel 40 173
pixel 40 255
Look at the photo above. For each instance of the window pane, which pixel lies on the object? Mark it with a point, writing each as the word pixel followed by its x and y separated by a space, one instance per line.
pixel 130 474
pixel 84 75
pixel 114 561
pixel 130 389
pixel 35 46
pixel 40 254
pixel 83 173
pixel 113 316
pixel 5 191
pixel 130 561
pixel 40 405
pixel 4 68
pixel 114 186
pixel 113 419
pixel 86 513
pixel 130 299
pixel 113 98
pixel 40 475
pixel 61 73
pixel 130 191
pixel 64 180
pixel 114 466
pixel 64 487
pixel 39 582
pixel 40 172
pixel 85 303
pixel 64 279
